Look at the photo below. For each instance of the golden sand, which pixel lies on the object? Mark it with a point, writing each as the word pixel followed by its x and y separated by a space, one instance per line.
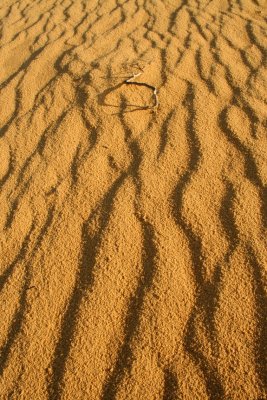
pixel 133 234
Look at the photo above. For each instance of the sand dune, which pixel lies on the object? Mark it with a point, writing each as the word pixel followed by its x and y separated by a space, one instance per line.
pixel 133 237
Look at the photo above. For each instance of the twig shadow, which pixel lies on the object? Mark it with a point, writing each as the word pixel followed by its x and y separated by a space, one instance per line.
pixel 102 99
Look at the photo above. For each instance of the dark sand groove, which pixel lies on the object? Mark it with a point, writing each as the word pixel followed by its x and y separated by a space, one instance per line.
pixel 84 280
pixel 124 358
pixel 171 386
pixel 261 309
pixel 17 321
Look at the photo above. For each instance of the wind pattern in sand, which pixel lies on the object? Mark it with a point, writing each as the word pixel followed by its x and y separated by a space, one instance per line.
pixel 133 241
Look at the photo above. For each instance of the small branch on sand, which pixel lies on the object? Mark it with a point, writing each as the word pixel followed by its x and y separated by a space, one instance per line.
pixel 130 81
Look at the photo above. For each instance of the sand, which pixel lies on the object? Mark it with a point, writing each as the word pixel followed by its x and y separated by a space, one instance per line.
pixel 133 213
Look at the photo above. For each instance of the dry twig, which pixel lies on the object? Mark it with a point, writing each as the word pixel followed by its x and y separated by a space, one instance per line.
pixel 130 81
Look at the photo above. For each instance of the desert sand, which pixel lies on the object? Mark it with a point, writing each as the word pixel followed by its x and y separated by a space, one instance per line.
pixel 133 171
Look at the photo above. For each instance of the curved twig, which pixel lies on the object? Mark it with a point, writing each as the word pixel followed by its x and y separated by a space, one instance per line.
pixel 129 81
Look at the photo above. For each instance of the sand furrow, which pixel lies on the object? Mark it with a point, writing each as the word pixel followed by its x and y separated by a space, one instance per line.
pixel 133 237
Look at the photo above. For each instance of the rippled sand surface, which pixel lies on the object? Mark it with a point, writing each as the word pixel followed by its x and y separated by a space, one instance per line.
pixel 133 234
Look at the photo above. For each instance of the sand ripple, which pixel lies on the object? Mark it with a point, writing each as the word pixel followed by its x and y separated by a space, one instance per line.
pixel 133 239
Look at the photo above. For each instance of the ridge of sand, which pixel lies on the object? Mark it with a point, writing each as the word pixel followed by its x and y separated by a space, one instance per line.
pixel 133 242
